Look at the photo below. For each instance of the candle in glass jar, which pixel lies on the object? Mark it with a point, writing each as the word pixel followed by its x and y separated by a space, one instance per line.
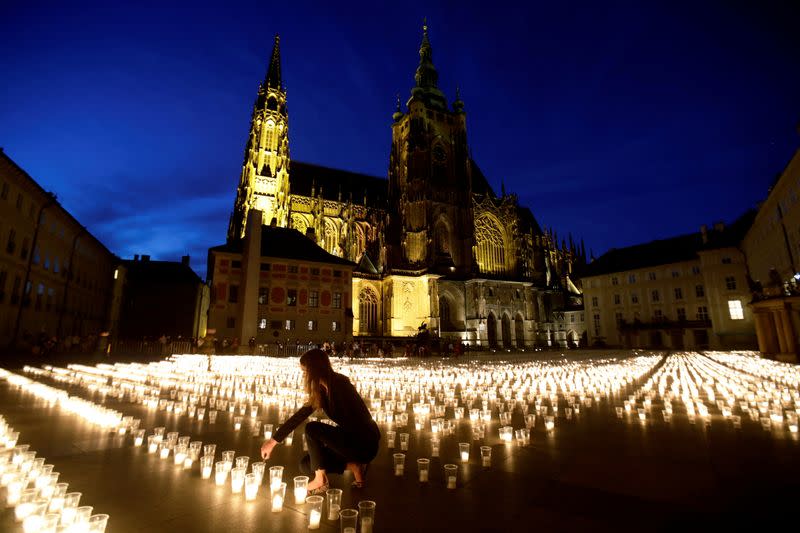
pixel 314 519
pixel 206 472
pixel 398 470
pixel 137 441
pixel 250 491
pixel 366 524
pixel 164 452
pixel 423 476
pixel 277 503
pixel 300 495
pixel 464 457
pixel 451 482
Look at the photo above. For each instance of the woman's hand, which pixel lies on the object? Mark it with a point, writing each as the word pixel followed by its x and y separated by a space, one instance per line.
pixel 266 448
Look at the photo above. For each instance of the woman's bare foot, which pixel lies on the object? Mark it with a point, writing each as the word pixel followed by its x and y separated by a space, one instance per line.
pixel 320 480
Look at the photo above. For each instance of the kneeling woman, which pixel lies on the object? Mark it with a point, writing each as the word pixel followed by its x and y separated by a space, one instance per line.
pixel 351 445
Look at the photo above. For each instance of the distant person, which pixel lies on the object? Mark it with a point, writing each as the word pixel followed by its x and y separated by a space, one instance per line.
pixel 351 445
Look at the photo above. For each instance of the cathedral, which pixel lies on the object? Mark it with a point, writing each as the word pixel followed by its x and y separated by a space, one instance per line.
pixel 434 244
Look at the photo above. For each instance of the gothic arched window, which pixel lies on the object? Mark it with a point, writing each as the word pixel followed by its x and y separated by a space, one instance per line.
pixel 489 245
pixel 445 319
pixel 331 238
pixel 441 238
pixel 367 311
pixel 270 136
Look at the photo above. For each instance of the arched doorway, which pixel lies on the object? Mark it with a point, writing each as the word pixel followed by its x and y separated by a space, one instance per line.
pixel 519 331
pixel 506 331
pixel 491 330
pixel 367 312
pixel 572 339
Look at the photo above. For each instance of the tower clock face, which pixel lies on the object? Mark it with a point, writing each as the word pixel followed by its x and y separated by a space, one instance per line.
pixel 439 154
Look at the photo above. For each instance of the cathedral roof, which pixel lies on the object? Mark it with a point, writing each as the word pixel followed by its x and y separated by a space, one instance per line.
pixel 527 221
pixel 668 251
pixel 480 185
pixel 303 177
pixel 285 243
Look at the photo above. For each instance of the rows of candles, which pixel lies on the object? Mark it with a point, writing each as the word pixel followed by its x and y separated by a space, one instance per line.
pixel 41 503
pixel 430 399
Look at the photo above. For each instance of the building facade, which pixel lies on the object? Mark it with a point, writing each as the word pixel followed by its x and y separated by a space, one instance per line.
pixel 434 244
pixel 772 248
pixel 277 286
pixel 56 278
pixel 687 292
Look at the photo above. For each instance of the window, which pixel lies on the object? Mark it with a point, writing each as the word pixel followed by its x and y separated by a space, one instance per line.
pixel 631 279
pixel 695 270
pixel 312 325
pixel 651 276
pixel 335 326
pixel 614 280
pixel 490 245
pixel 46 263
pixel 289 325
pixel 15 290
pixel 676 274
pixel 337 273
pixel 681 314
pixel 236 264
pixel 594 301
pixel 275 324
pixel 654 296
pixel 337 300
pixel 702 313
pixel 678 293
pixel 263 296
pixel 730 283
pixel 517 294
pixel 4 191
pixel 658 315
pixel 291 298
pixel 735 309
pixel 233 294
pixel 726 260
pixel 12 241
pixel 581 317
pixel 231 322
pixel 264 267
pixel 572 317
pixel 313 298
pixel 699 291
pixel 262 323
pixel 292 269
pixel 617 299
pixel 491 291
pixel 596 320
pixel 634 298
pixel 315 271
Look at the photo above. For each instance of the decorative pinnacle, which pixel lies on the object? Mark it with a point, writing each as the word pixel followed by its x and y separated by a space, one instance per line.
pixel 398 101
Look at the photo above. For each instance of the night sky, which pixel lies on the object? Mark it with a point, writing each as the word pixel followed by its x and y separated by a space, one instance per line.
pixel 618 122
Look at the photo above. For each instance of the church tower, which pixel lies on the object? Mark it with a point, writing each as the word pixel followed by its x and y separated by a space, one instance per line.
pixel 429 180
pixel 264 182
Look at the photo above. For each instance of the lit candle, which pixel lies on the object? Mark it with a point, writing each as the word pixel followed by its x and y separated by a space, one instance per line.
pixel 314 519
pixel 464 457
pixel 366 524
pixel 206 472
pixel 164 452
pixel 187 463
pixel 300 495
pixel 220 475
pixel 451 482
pixel 398 469
pixel 486 460
pixel 251 491
pixel 423 476
pixel 277 503
pixel 138 441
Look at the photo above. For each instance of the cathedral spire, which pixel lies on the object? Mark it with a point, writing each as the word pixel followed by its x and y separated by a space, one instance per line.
pixel 426 76
pixel 273 78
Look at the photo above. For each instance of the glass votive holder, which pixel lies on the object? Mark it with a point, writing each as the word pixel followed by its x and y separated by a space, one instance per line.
pixel 619 411
pixel 237 423
pixel 251 483
pixel 390 436
pixel 163 449
pixel 98 523
pixel 549 423
pixel 349 518
pixel 152 444
pixel 463 451
pixel 404 441
pixel 212 416
pixel 642 414
pixel 423 467
pixel 268 431
pixel 172 436
pixel 366 513
pixel 334 498
pixel 48 486
pixel 399 463
pixel 49 523
pixel 530 421
pixel 220 473
pixel 180 454
pixel 314 511
pixel 201 413
pixel 486 456
pixel 242 461
pixel 237 479
pixel 450 475
pixel 210 449
pixel 34 521
pixel 24 504
pixel 435 444
pixel 71 500
pixel 458 413
pixel 82 515
pixel 138 437
pixel 522 436
pixel 256 429
pixel 258 470
pixel 300 489
pixel 275 476
pixel 506 434
pixel 206 464
pixel 568 413
pixel 57 500
pixel 228 456
pixel 276 494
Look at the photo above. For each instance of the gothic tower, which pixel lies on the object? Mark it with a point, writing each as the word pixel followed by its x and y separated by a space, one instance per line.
pixel 429 180
pixel 264 183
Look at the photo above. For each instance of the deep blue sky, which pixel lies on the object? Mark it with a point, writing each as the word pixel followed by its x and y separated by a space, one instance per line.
pixel 618 122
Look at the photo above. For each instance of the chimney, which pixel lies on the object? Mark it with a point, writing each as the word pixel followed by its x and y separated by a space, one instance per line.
pixel 135 258
pixel 704 233
pixel 145 258
pixel 719 226
pixel 185 260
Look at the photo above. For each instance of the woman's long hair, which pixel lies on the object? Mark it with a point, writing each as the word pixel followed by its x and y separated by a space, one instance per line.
pixel 318 374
